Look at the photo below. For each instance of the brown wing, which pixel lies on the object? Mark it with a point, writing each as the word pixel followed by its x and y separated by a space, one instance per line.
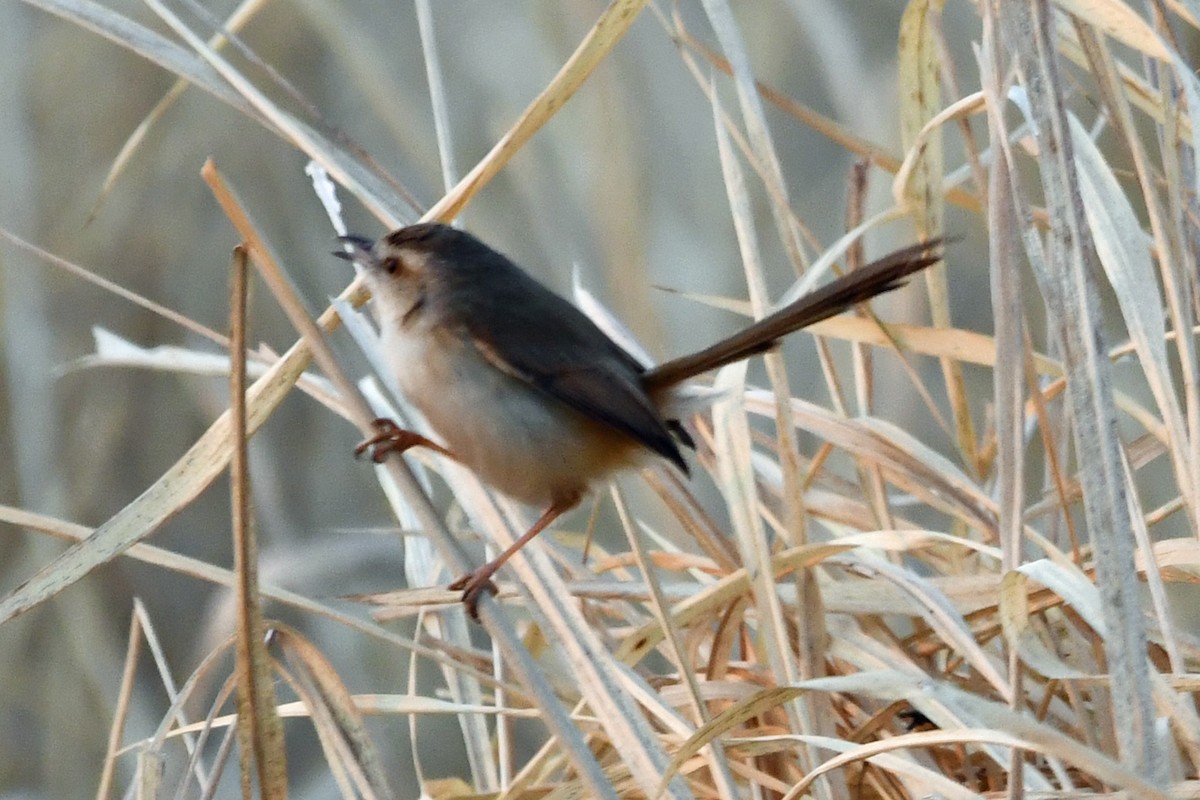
pixel 534 335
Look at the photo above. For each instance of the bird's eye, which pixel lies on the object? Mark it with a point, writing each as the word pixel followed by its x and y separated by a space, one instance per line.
pixel 390 265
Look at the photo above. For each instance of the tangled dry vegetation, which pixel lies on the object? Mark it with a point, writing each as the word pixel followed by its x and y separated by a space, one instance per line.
pixel 850 610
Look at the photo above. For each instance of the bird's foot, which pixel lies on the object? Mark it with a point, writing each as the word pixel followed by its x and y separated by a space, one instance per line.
pixel 391 438
pixel 473 585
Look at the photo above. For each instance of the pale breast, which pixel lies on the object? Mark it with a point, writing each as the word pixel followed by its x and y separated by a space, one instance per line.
pixel 516 438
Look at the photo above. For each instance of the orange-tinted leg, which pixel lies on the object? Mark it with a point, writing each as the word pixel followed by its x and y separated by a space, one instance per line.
pixel 391 438
pixel 476 582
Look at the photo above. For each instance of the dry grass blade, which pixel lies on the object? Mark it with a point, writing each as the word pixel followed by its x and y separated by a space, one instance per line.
pixel 709 602
pixel 1121 22
pixel 437 94
pixel 1070 287
pixel 1009 367
pixel 1009 384
pixel 147 44
pixel 810 715
pixel 363 704
pixel 224 751
pixel 132 651
pixel 730 427
pixel 1047 740
pixel 598 678
pixel 729 721
pixel 882 754
pixel 114 351
pixel 286 297
pixel 371 190
pixel 1122 248
pixel 1022 636
pixel 218 576
pixel 921 100
pixel 600 40
pixel 260 731
pixel 1178 275
pixel 845 138
pixel 1139 91
pixel 183 321
pixel 175 716
pixel 173 490
pixel 334 713
pixel 715 757
pixel 920 92
pixel 939 613
pixel 240 16
pixel 758 134
pixel 911 464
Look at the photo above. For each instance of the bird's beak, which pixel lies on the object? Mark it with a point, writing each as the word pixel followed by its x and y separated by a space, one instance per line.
pixel 358 249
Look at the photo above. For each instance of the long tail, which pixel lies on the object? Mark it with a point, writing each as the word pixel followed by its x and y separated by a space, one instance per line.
pixel 879 276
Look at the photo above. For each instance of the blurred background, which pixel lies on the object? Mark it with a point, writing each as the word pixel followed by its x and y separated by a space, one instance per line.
pixel 623 185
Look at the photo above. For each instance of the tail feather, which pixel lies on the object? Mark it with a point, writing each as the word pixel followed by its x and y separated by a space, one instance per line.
pixel 883 275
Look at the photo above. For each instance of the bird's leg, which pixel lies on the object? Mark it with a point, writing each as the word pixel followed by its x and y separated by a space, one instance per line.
pixel 477 581
pixel 391 438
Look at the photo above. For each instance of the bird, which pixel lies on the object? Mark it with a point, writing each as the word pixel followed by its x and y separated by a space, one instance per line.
pixel 524 389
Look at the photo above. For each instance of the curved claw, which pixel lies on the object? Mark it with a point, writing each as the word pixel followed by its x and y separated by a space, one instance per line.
pixel 474 584
pixel 391 438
